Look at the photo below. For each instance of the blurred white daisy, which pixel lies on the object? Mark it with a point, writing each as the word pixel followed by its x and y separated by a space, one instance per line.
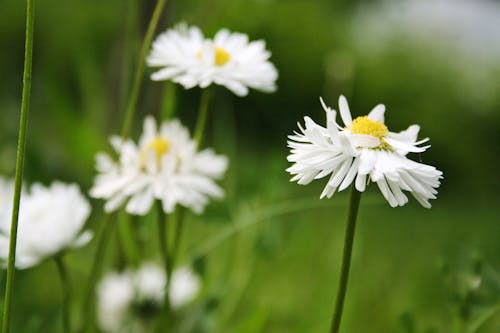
pixel 229 60
pixel 126 301
pixel 164 165
pixel 362 150
pixel 184 287
pixel 50 221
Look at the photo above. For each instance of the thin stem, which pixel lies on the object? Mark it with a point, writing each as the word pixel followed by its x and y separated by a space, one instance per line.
pixel 66 291
pixel 130 42
pixel 179 223
pixel 202 116
pixel 163 243
pixel 128 241
pixel 346 259
pixel 134 95
pixel 169 101
pixel 95 270
pixel 21 147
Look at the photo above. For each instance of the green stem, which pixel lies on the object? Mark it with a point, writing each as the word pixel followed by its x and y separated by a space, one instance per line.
pixel 162 242
pixel 95 270
pixel 128 241
pixel 134 95
pixel 21 147
pixel 202 116
pixel 130 42
pixel 66 292
pixel 346 259
pixel 169 101
pixel 179 223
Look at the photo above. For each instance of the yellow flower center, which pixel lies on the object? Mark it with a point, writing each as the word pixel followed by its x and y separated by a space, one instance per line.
pixel 221 56
pixel 159 145
pixel 363 125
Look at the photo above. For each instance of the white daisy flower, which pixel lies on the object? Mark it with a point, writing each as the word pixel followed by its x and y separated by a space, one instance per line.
pixel 362 150
pixel 164 165
pixel 50 221
pixel 229 60
pixel 184 287
pixel 125 301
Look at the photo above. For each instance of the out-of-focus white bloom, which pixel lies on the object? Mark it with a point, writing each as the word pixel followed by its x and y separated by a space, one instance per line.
pixel 184 287
pixel 149 282
pixel 230 60
pixel 127 300
pixel 115 295
pixel 164 165
pixel 50 221
pixel 362 150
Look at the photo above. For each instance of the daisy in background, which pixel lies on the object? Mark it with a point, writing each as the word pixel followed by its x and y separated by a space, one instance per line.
pixel 127 301
pixel 51 220
pixel 163 165
pixel 360 151
pixel 186 57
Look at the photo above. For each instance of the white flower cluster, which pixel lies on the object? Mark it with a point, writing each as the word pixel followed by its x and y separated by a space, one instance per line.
pixel 121 296
pixel 186 57
pixel 164 165
pixel 362 150
pixel 50 221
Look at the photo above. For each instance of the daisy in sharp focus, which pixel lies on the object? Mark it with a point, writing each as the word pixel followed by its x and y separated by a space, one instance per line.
pixel 362 150
pixel 186 57
pixel 51 220
pixel 164 165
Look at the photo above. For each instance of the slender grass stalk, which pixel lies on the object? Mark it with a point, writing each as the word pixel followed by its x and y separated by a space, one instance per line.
pixel 179 223
pixel 134 94
pixel 130 48
pixel 169 101
pixel 66 292
pixel 95 271
pixel 202 116
pixel 128 241
pixel 21 147
pixel 162 220
pixel 346 259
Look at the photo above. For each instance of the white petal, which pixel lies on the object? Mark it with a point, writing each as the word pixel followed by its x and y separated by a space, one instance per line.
pixel 377 114
pixel 360 182
pixel 345 113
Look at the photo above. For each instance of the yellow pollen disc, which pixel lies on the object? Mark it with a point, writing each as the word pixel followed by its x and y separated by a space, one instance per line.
pixel 221 56
pixel 159 145
pixel 363 125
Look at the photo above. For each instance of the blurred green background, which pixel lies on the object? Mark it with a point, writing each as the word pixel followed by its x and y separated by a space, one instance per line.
pixel 435 66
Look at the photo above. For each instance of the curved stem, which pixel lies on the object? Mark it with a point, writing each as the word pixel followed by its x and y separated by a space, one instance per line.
pixel 202 116
pixel 346 259
pixel 21 147
pixel 66 291
pixel 134 95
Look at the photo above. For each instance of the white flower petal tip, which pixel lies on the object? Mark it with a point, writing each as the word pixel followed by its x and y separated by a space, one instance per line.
pixel 362 152
pixel 165 165
pixel 345 113
pixel 186 57
pixel 377 114
pixel 323 104
pixel 50 221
